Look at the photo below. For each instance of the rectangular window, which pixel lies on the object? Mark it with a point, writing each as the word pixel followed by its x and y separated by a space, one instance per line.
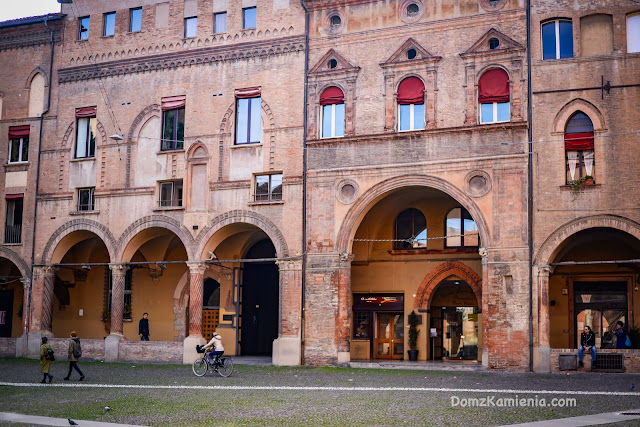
pixel 220 22
pixel 109 24
pixel 135 20
pixel 332 120
pixel 13 221
pixel 170 194
pixel 86 137
pixel 411 117
pixel 362 325
pixel 557 40
pixel 249 17
pixel 19 143
pixel 190 26
pixel 633 33
pixel 173 129
pixel 495 112
pixel 248 120
pixel 83 28
pixel 268 187
pixel 86 201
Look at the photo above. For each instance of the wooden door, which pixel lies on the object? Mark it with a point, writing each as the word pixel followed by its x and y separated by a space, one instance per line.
pixel 390 336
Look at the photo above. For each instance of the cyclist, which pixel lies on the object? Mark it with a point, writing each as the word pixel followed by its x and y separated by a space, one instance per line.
pixel 215 346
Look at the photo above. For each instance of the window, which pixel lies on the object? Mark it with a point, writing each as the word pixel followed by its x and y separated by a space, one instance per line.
pixel 249 17
pixel 332 102
pixel 135 20
pixel 220 22
pixel 19 144
pixel 493 96
pixel 86 201
pixel 248 120
pixel 579 147
pixel 633 33
pixel 461 229
pixel 109 24
pixel 411 53
pixel 411 230
pixel 190 26
pixel 335 21
pixel 413 9
pixel 83 28
pixel 411 104
pixel 128 286
pixel 268 187
pixel 596 35
pixel 494 43
pixel 557 39
pixel 170 194
pixel 173 114
pixel 86 132
pixel 13 220
pixel 362 325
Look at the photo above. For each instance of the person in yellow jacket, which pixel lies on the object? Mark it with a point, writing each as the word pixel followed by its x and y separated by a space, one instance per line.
pixel 45 364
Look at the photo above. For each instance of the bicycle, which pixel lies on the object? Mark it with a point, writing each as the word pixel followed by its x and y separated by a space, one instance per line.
pixel 223 365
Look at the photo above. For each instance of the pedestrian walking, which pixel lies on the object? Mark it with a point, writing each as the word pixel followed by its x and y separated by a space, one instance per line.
pixel 143 327
pixel 46 356
pixel 74 353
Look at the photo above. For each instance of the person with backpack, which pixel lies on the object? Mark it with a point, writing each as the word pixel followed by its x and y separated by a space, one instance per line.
pixel 74 353
pixel 621 335
pixel 46 356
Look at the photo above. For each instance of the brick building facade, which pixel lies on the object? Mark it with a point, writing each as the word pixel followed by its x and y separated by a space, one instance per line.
pixel 183 173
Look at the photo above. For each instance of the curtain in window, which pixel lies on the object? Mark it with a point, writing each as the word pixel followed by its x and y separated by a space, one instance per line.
pixel 588 162
pixel 81 140
pixel 411 91
pixel 331 96
pixel 572 161
pixel 174 102
pixel 86 112
pixel 17 132
pixel 493 87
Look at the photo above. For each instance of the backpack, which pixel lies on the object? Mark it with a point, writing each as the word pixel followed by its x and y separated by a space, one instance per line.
pixel 49 355
pixel 627 342
pixel 77 349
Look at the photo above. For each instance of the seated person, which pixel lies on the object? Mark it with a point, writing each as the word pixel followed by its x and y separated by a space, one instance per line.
pixel 214 346
pixel 587 342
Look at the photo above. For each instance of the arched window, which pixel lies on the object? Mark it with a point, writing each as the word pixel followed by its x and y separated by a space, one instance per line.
pixel 411 104
pixel 493 96
pixel 36 96
pixel 578 145
pixel 557 39
pixel 411 225
pixel 332 102
pixel 462 230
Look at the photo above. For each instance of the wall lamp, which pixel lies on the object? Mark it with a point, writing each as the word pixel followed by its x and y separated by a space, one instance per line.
pixel 117 137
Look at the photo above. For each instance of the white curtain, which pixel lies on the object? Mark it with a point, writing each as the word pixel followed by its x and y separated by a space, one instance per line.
pixel 588 161
pixel 572 161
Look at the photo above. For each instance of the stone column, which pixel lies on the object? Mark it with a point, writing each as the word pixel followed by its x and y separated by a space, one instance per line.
pixel 118 273
pixel 343 320
pixel 287 348
pixel 542 352
pixel 22 344
pixel 196 284
pixel 485 306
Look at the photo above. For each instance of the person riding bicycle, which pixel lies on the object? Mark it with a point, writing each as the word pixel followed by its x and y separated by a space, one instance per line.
pixel 215 346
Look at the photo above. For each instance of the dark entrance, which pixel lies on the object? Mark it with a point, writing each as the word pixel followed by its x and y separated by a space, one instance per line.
pixel 6 312
pixel 259 321
pixel 599 305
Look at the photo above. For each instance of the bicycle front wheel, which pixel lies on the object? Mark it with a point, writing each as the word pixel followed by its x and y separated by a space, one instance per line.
pixel 226 367
pixel 200 367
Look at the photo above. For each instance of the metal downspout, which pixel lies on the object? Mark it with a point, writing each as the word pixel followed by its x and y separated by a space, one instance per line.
pixel 530 183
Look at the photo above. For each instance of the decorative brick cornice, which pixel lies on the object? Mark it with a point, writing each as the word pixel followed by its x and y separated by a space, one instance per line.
pixel 313 5
pixel 173 60
pixel 27 39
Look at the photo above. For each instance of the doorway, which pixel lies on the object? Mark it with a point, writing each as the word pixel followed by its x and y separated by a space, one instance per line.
pixel 6 312
pixel 599 305
pixel 389 335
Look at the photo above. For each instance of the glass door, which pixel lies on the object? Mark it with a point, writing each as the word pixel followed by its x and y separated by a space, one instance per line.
pixel 390 336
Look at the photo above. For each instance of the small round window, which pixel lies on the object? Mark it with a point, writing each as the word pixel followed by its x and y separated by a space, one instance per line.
pixel 335 21
pixel 412 10
pixel 494 43
pixel 332 63
pixel 411 53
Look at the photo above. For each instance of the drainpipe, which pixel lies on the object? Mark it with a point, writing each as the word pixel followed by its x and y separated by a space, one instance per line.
pixel 304 178
pixel 35 208
pixel 530 184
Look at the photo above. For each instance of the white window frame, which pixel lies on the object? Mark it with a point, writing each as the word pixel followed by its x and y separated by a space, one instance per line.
pixel 411 118
pixel 494 118
pixel 333 122
pixel 87 142
pixel 92 199
pixel 19 151
pixel 270 194
pixel 556 27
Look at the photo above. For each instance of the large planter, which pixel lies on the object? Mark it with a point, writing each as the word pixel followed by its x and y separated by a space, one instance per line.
pixel 413 355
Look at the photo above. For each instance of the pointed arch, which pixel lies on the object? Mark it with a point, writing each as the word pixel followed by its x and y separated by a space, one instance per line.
pixel 431 281
pixel 574 106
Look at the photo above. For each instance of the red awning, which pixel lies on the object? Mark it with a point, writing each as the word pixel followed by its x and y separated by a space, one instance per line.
pixel 248 92
pixel 331 96
pixel 493 87
pixel 17 132
pixel 14 196
pixel 578 141
pixel 86 112
pixel 174 102
pixel 411 91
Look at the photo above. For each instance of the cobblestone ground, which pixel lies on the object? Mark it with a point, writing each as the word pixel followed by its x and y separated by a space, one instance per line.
pixel 309 396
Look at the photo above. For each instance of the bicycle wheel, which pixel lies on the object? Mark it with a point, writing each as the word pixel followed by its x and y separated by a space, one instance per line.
pixel 226 367
pixel 200 367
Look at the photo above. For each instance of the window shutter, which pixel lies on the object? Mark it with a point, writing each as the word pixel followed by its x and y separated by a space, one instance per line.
pixel 86 112
pixel 411 91
pixel 249 92
pixel 174 102
pixel 17 132
pixel 331 96
pixel 578 141
pixel 493 87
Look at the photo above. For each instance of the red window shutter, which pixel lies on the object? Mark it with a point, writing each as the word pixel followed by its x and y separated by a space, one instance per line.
pixel 17 132
pixel 86 112
pixel 174 102
pixel 249 92
pixel 332 95
pixel 14 196
pixel 411 91
pixel 578 141
pixel 493 87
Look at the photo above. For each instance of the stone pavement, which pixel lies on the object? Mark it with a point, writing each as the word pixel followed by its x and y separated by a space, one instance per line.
pixel 48 421
pixel 587 420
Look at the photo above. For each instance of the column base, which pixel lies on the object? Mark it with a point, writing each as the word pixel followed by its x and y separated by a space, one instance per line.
pixel 541 359
pixel 485 357
pixel 344 357
pixel 112 347
pixel 189 353
pixel 34 342
pixel 287 351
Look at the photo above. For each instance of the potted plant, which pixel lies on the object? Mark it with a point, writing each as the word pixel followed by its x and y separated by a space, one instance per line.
pixel 413 336
pixel 575 185
pixel 587 180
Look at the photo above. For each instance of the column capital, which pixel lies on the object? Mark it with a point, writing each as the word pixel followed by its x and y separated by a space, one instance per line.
pixel 289 264
pixel 25 282
pixel 345 259
pixel 44 270
pixel 196 267
pixel 118 269
pixel 545 270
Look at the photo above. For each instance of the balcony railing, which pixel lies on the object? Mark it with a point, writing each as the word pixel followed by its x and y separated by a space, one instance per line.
pixel 13 233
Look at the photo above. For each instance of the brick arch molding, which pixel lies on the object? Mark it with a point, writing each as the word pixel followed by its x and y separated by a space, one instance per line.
pixel 549 248
pixel 431 281
pixel 159 221
pixel 561 119
pixel 81 224
pixel 359 209
pixel 16 260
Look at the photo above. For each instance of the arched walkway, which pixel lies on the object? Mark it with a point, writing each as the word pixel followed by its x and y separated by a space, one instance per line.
pixel 450 268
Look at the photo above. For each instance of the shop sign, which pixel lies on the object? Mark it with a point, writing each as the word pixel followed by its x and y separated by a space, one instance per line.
pixel 379 302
